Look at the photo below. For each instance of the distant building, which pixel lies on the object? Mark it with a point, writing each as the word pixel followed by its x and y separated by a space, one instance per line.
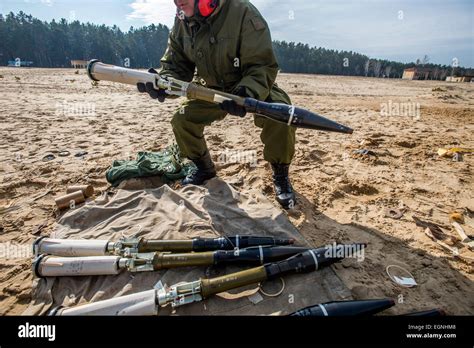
pixel 416 73
pixel 79 64
pixel 460 78
pixel 19 63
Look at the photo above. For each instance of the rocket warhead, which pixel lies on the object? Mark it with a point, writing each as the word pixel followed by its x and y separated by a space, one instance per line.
pixel 346 308
pixel 257 254
pixel 437 312
pixel 237 242
pixel 281 252
pixel 314 259
pixel 294 116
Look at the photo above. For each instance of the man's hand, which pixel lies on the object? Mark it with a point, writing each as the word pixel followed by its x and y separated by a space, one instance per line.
pixel 159 94
pixel 232 107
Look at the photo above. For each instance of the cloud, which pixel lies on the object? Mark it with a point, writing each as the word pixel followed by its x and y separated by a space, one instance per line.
pixel 47 2
pixel 163 11
pixel 153 11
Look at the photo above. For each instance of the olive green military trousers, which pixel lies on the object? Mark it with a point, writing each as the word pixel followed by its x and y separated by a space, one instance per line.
pixel 193 116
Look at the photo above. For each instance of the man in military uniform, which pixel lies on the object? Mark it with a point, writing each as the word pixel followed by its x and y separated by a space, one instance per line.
pixel 225 45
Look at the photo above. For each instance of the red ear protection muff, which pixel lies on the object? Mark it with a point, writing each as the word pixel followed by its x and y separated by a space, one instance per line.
pixel 206 7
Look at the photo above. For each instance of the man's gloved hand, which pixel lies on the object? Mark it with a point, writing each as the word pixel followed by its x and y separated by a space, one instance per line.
pixel 159 94
pixel 232 107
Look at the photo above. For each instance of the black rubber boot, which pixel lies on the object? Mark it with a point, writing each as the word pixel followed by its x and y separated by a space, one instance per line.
pixel 283 189
pixel 205 171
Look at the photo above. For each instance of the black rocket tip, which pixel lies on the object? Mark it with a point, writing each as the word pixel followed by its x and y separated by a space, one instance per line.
pixel 370 307
pixel 308 119
pixel 348 308
pixel 384 302
pixel 344 129
pixel 437 312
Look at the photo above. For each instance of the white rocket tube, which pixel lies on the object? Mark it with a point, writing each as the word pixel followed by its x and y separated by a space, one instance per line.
pixel 147 307
pixel 141 303
pixel 70 247
pixel 52 266
pixel 99 71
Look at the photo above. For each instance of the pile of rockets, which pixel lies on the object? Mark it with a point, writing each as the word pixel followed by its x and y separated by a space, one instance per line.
pixel 275 258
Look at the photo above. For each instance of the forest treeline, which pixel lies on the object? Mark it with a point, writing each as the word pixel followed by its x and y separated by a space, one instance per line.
pixel 56 43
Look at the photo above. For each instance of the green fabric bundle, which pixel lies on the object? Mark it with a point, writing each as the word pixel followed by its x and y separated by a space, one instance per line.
pixel 166 163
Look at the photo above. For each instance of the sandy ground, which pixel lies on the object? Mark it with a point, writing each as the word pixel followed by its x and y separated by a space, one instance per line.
pixel 341 197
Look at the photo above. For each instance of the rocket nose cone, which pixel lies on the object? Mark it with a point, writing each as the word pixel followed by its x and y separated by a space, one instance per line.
pixel 371 307
pixel 383 304
pixel 330 126
pixel 392 302
pixel 344 129
pixel 437 312
pixel 308 119
pixel 441 312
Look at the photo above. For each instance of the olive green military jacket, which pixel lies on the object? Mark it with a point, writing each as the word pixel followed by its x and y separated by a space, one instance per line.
pixel 229 49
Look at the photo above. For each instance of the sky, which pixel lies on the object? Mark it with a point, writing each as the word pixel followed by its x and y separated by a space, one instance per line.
pixel 400 30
